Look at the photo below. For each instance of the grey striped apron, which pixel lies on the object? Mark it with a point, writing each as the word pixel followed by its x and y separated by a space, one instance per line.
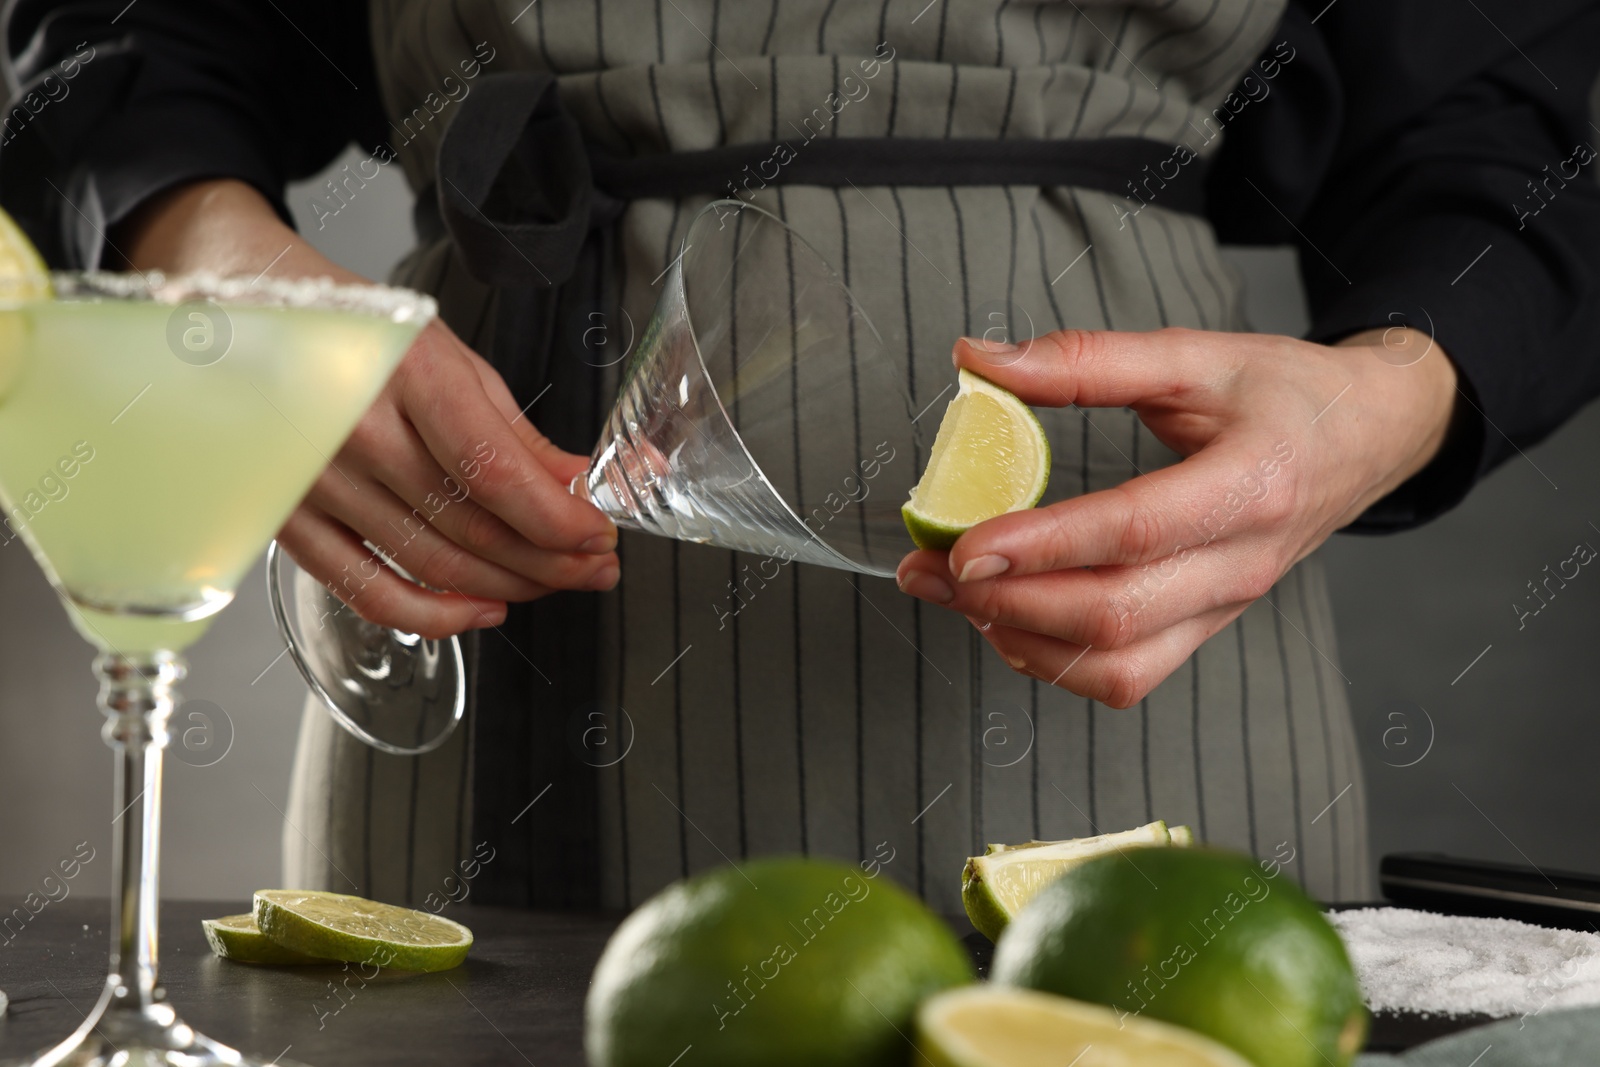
pixel 830 714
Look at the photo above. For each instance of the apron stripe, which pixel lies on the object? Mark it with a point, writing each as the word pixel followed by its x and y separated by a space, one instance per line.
pixel 1288 715
pixel 1327 739
pixel 366 818
pixel 1094 267
pixel 1244 731
pixel 1137 230
pixel 621 772
pixel 1219 51
pixel 1223 304
pixel 1036 758
pixel 1089 709
pixel 766 42
pixel 855 601
pixel 1083 103
pixel 1176 33
pixel 1144 757
pixel 1183 276
pixel 1116 45
pixel 1194 740
pixel 822 27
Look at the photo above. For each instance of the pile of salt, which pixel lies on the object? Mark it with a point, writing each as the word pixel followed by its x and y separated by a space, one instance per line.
pixel 1431 964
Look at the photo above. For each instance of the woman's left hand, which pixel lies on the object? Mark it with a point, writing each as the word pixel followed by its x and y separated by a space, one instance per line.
pixel 1284 442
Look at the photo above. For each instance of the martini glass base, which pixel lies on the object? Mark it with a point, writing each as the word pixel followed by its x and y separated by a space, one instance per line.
pixel 398 692
pixel 121 1034
pixel 132 1024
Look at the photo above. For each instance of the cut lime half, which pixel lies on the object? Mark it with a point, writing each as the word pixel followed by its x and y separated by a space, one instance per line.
pixel 990 457
pixel 339 927
pixel 236 937
pixel 998 884
pixel 988 1026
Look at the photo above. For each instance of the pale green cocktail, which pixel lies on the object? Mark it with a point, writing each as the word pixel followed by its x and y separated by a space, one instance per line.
pixel 154 433
pixel 146 482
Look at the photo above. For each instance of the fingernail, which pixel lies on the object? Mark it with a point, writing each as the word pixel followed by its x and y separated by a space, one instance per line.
pixel 925 586
pixel 599 544
pixel 999 348
pixel 493 615
pixel 979 623
pixel 605 578
pixel 1016 663
pixel 983 567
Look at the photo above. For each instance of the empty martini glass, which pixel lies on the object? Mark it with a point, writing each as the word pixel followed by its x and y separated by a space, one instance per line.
pixel 153 433
pixel 757 359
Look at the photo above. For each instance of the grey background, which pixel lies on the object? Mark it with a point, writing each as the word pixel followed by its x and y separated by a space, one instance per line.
pixel 1501 757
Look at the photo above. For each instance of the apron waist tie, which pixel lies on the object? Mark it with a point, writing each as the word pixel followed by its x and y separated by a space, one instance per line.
pixel 518 189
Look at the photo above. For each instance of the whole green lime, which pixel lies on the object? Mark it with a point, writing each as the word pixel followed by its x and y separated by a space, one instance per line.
pixel 1210 940
pixel 775 962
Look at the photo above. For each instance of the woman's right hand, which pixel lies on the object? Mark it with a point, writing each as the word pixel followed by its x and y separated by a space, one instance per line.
pixel 444 473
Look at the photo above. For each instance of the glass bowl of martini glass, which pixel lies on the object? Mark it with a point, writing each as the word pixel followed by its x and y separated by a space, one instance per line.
pixel 154 433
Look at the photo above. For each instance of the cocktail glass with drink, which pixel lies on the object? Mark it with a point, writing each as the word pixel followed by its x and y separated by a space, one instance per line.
pixel 154 433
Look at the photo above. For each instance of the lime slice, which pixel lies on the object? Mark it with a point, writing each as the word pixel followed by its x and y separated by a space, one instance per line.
pixel 339 927
pixel 235 937
pixel 990 457
pixel 986 1026
pixel 998 884
pixel 1182 836
pixel 23 275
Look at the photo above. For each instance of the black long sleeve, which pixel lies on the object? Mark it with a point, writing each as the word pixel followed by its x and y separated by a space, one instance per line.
pixel 119 101
pixel 1403 153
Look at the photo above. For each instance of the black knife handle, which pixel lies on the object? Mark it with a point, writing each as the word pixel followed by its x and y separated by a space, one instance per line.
pixel 1549 897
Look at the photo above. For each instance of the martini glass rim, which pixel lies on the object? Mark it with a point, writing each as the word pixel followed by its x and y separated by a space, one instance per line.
pixel 368 299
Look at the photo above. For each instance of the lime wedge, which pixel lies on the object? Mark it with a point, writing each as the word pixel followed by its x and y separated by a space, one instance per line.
pixel 23 278
pixel 987 1026
pixel 235 937
pixel 339 927
pixel 1182 836
pixel 990 457
pixel 998 884
pixel 23 275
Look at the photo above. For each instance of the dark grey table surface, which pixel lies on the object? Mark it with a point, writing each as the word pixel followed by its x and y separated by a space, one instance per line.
pixel 518 998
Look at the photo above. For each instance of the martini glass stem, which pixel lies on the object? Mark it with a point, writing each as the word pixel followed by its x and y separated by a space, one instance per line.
pixel 137 696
